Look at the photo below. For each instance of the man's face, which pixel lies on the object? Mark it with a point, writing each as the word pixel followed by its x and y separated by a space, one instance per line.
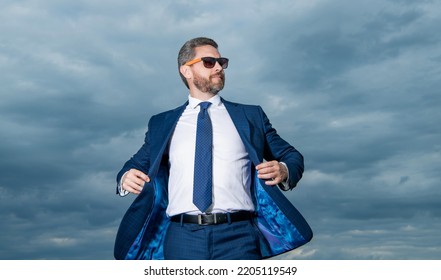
pixel 205 79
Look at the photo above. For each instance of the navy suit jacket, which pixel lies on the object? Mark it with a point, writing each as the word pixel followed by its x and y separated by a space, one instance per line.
pixel 281 227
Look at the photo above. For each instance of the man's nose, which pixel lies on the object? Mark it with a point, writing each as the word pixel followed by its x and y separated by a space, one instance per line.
pixel 217 66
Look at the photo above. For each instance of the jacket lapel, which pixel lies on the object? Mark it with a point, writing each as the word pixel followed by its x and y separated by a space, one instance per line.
pixel 243 126
pixel 162 130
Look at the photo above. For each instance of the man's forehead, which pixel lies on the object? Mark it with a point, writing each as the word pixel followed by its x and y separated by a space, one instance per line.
pixel 206 50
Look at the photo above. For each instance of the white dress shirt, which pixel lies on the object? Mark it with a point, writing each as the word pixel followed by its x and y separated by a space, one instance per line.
pixel 231 164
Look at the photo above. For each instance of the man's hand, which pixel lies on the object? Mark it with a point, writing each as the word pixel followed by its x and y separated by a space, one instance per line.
pixel 272 172
pixel 133 181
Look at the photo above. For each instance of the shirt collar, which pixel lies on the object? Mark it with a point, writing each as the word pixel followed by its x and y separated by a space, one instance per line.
pixel 194 102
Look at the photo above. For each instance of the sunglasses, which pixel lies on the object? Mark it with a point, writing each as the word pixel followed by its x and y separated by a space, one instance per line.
pixel 209 62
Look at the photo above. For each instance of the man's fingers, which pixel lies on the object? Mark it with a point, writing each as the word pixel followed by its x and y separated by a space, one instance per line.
pixel 132 186
pixel 266 169
pixel 130 189
pixel 270 165
pixel 273 182
pixel 264 165
pixel 140 174
pixel 268 175
pixel 270 171
pixel 134 181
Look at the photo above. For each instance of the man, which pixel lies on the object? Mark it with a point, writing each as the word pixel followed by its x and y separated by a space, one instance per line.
pixel 207 176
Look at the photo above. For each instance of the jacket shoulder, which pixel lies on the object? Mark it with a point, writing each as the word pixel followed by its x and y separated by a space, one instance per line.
pixel 164 114
pixel 246 107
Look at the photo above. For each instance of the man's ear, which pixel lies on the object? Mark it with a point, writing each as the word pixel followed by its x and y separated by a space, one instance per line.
pixel 185 71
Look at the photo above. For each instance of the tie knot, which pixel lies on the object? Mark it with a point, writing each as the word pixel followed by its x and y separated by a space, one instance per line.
pixel 204 105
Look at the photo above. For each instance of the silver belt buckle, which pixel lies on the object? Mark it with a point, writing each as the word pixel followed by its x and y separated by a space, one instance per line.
pixel 208 214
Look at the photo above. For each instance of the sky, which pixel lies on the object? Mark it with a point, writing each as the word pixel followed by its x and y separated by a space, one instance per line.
pixel 353 85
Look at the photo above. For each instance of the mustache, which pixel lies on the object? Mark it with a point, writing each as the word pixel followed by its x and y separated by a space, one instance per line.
pixel 218 75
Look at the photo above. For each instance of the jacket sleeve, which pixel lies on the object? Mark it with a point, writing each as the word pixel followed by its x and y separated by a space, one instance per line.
pixel 139 161
pixel 275 148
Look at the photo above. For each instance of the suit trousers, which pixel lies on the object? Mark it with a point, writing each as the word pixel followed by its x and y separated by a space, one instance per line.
pixel 234 241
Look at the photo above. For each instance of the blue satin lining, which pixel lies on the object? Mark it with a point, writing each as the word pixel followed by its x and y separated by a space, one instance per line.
pixel 152 234
pixel 279 232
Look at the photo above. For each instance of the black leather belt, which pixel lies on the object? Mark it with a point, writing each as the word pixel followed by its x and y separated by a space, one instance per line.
pixel 213 218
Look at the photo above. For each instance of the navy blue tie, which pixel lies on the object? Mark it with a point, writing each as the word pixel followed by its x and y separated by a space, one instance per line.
pixel 203 160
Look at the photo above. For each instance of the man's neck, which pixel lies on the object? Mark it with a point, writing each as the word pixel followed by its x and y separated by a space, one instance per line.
pixel 194 102
pixel 204 96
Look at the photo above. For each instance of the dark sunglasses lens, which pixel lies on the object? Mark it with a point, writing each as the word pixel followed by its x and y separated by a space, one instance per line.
pixel 209 62
pixel 223 62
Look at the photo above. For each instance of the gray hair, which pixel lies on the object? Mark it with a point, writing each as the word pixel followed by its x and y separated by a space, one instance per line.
pixel 187 52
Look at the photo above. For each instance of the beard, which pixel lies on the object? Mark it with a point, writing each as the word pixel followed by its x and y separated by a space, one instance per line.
pixel 208 85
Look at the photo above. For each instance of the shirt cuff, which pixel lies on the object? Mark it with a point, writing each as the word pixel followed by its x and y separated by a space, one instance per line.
pixel 284 186
pixel 121 191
